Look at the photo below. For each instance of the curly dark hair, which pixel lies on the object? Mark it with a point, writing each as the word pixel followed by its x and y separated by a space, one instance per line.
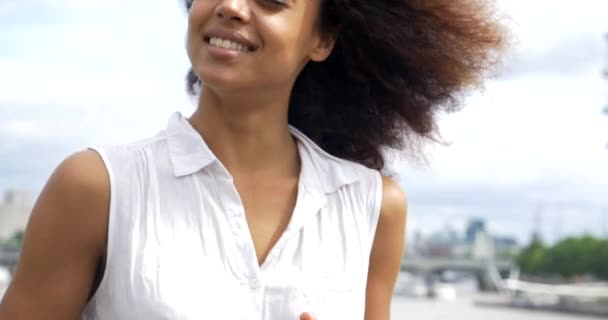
pixel 394 66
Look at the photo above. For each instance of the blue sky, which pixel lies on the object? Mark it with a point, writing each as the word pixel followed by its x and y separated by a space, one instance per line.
pixel 78 73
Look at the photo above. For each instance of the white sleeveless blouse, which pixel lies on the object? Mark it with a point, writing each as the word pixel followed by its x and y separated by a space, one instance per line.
pixel 179 247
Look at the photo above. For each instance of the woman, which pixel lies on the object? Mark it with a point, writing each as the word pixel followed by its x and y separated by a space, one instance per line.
pixel 267 202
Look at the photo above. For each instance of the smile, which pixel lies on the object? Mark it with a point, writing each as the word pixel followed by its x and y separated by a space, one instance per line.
pixel 228 44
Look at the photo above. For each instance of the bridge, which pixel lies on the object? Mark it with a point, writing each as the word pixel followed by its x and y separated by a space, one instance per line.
pixel 582 290
pixel 583 298
pixel 484 270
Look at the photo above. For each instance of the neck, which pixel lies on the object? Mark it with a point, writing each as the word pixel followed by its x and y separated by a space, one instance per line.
pixel 248 133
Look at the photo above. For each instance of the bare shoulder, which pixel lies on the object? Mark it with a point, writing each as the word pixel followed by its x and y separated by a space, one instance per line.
pixel 82 182
pixel 394 201
pixel 387 250
pixel 80 188
pixel 63 243
pixel 82 169
pixel 393 213
pixel 75 198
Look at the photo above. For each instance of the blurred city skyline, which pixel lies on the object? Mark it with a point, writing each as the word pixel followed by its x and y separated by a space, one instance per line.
pixel 529 151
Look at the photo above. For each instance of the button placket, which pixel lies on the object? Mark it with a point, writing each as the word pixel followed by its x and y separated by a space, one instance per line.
pixel 255 283
pixel 235 217
pixel 240 230
pixel 308 205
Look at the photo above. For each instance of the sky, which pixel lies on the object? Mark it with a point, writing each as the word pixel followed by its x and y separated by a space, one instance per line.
pixel 527 152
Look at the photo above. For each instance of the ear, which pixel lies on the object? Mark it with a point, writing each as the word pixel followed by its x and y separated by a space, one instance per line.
pixel 322 46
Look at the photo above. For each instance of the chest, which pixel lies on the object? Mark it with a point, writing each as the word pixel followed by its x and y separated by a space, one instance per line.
pixel 268 206
pixel 186 289
pixel 192 257
pixel 210 270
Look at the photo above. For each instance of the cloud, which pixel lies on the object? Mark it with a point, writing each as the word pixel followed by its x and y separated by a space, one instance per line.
pixel 534 138
pixel 569 56
pixel 82 73
pixel 78 74
pixel 564 206
pixel 15 14
pixel 26 166
pixel 528 124
pixel 110 68
pixel 555 36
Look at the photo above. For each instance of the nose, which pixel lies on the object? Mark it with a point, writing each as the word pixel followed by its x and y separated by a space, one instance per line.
pixel 233 10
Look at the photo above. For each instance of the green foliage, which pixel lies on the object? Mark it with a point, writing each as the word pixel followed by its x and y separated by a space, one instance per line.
pixel 599 266
pixel 531 259
pixel 568 258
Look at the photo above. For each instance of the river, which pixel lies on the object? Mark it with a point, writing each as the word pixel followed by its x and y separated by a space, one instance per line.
pixel 469 308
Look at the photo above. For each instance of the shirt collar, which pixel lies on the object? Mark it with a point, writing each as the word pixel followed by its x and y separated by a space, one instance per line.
pixel 320 173
pixel 187 150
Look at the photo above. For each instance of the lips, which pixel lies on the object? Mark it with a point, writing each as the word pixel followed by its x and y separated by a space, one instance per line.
pixel 228 44
pixel 228 39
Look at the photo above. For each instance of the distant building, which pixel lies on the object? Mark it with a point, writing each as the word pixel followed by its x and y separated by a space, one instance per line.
pixel 15 211
pixel 445 243
pixel 483 246
pixel 475 243
pixel 473 227
pixel 506 246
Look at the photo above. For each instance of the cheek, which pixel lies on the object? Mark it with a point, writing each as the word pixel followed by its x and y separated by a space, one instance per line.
pixel 195 15
pixel 198 14
pixel 289 39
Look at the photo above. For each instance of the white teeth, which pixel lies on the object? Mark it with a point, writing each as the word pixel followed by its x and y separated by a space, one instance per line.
pixel 227 44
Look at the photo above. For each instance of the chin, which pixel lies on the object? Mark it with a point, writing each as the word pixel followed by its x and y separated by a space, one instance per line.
pixel 222 80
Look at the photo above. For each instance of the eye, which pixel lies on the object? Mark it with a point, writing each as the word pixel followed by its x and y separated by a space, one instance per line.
pixel 276 3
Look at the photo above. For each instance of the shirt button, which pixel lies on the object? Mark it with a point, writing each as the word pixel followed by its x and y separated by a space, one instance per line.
pixel 255 284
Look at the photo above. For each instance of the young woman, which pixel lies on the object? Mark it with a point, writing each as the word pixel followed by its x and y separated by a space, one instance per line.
pixel 267 202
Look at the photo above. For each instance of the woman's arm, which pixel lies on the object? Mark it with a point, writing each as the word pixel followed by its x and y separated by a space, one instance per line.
pixel 63 244
pixel 387 251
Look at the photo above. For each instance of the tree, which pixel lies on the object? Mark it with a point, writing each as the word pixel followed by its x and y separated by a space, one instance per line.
pixel 568 258
pixel 530 260
pixel 599 264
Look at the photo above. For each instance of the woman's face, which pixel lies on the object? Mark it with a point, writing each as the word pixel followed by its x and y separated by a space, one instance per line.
pixel 242 44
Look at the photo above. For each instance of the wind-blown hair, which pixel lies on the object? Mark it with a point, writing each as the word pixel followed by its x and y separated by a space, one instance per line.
pixel 395 65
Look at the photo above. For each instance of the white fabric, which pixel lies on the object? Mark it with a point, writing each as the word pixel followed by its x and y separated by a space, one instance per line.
pixel 179 246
